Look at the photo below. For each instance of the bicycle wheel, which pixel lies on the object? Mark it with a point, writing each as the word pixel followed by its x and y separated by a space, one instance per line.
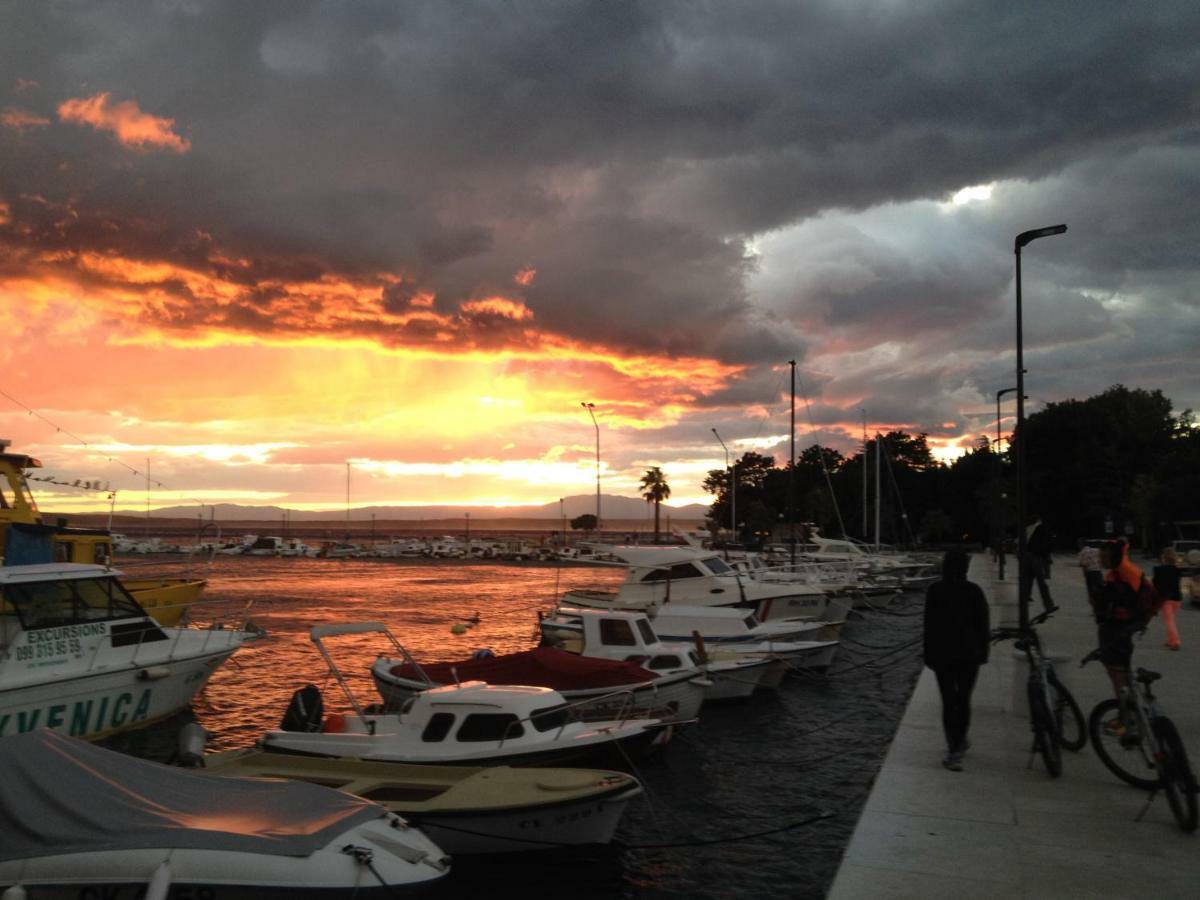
pixel 1131 764
pixel 1045 732
pixel 1068 717
pixel 1178 782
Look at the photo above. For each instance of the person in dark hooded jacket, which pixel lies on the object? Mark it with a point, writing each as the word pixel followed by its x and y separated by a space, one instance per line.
pixel 957 640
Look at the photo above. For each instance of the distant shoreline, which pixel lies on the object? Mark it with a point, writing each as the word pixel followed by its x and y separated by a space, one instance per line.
pixel 612 531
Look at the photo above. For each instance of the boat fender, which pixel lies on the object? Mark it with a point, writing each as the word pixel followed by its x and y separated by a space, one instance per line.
pixel 154 673
pixel 335 723
pixel 190 746
pixel 16 892
pixel 160 883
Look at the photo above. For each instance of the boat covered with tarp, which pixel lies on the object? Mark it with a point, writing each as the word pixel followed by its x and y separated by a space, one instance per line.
pixel 75 816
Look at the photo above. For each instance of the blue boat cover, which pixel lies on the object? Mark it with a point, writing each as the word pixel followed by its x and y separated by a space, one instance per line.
pixel 61 795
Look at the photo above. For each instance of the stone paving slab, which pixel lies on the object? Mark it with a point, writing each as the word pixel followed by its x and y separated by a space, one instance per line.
pixel 1003 827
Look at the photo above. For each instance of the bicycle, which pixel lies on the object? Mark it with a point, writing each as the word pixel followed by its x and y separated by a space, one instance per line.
pixel 1054 717
pixel 1138 743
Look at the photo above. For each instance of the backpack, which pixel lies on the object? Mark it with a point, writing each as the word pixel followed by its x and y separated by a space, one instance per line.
pixel 1122 604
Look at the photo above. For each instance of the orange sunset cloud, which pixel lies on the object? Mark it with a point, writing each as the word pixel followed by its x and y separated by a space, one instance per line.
pixel 133 128
pixel 21 120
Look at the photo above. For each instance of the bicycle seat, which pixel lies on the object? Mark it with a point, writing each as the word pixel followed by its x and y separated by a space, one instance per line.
pixel 1145 676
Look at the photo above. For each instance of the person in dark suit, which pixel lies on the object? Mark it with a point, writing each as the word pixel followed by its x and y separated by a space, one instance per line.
pixel 1039 545
pixel 957 641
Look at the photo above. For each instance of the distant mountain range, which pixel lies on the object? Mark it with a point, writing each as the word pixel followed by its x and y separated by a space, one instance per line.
pixel 611 507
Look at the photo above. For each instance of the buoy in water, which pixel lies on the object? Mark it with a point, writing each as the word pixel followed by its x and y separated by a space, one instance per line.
pixel 458 628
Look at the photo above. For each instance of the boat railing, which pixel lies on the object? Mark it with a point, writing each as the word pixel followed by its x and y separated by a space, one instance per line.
pixel 319 632
pixel 623 713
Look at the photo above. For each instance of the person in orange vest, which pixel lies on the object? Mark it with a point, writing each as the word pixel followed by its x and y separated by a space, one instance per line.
pixel 1167 582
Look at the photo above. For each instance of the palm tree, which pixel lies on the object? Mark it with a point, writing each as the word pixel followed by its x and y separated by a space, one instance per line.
pixel 655 490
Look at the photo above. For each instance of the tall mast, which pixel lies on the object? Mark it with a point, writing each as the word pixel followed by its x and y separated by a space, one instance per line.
pixel 866 522
pixel 791 504
pixel 878 487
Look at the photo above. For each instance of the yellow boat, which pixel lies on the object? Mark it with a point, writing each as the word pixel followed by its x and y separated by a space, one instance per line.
pixel 165 599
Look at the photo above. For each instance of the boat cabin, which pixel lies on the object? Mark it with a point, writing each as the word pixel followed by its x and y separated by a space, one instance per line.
pixel 615 634
pixel 476 712
pixel 82 604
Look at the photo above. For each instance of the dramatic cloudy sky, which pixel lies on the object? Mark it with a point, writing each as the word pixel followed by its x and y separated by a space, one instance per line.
pixel 250 242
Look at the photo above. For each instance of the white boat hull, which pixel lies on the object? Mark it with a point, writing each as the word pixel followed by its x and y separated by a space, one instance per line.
pixel 575 823
pixel 92 705
pixel 231 875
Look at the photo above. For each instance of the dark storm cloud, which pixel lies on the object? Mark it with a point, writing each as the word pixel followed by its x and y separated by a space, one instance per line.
pixel 627 151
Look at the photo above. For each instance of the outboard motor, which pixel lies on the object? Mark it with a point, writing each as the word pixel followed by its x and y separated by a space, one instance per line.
pixel 190 751
pixel 306 710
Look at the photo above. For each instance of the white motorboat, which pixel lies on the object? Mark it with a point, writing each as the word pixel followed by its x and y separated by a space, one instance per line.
pixel 77 820
pixel 468 723
pixel 879 571
pixel 82 657
pixel 475 724
pixel 661 575
pixel 734 671
pixel 721 624
pixel 464 809
pixel 667 686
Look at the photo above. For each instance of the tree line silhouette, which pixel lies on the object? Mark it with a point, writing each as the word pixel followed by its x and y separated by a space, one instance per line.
pixel 1120 463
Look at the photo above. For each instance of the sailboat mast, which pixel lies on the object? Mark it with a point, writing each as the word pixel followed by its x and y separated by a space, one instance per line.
pixel 792 471
pixel 865 520
pixel 878 488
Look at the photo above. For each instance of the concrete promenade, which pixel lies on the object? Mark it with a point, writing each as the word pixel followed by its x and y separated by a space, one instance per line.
pixel 1003 829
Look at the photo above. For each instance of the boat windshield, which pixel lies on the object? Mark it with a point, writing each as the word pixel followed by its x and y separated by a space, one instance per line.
pixel 42 604
pixel 648 635
pixel 717 566
pixel 676 572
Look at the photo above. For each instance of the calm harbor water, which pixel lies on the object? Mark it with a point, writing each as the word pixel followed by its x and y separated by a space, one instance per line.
pixel 725 805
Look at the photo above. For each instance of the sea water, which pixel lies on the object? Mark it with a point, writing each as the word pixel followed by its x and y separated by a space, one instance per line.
pixel 758 799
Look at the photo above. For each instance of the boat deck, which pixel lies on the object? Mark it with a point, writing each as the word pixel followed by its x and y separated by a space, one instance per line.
pixel 1003 829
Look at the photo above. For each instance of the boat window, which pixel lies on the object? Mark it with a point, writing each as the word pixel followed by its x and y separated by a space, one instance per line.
pixel 438 727
pixel 648 635
pixel 658 663
pixel 751 622
pixel 717 566
pixel 490 727
pixel 42 604
pixel 616 633
pixel 549 718
pixel 676 572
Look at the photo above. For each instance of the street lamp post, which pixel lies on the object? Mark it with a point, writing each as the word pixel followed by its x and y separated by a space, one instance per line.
pixel 732 491
pixel 999 491
pixel 591 408
pixel 1024 583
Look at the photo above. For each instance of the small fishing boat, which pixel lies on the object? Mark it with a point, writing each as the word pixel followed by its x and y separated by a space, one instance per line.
pixel 476 724
pixel 735 668
pixel 77 820
pixel 464 809
pixel 667 686
pixel 81 656
pixel 471 723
